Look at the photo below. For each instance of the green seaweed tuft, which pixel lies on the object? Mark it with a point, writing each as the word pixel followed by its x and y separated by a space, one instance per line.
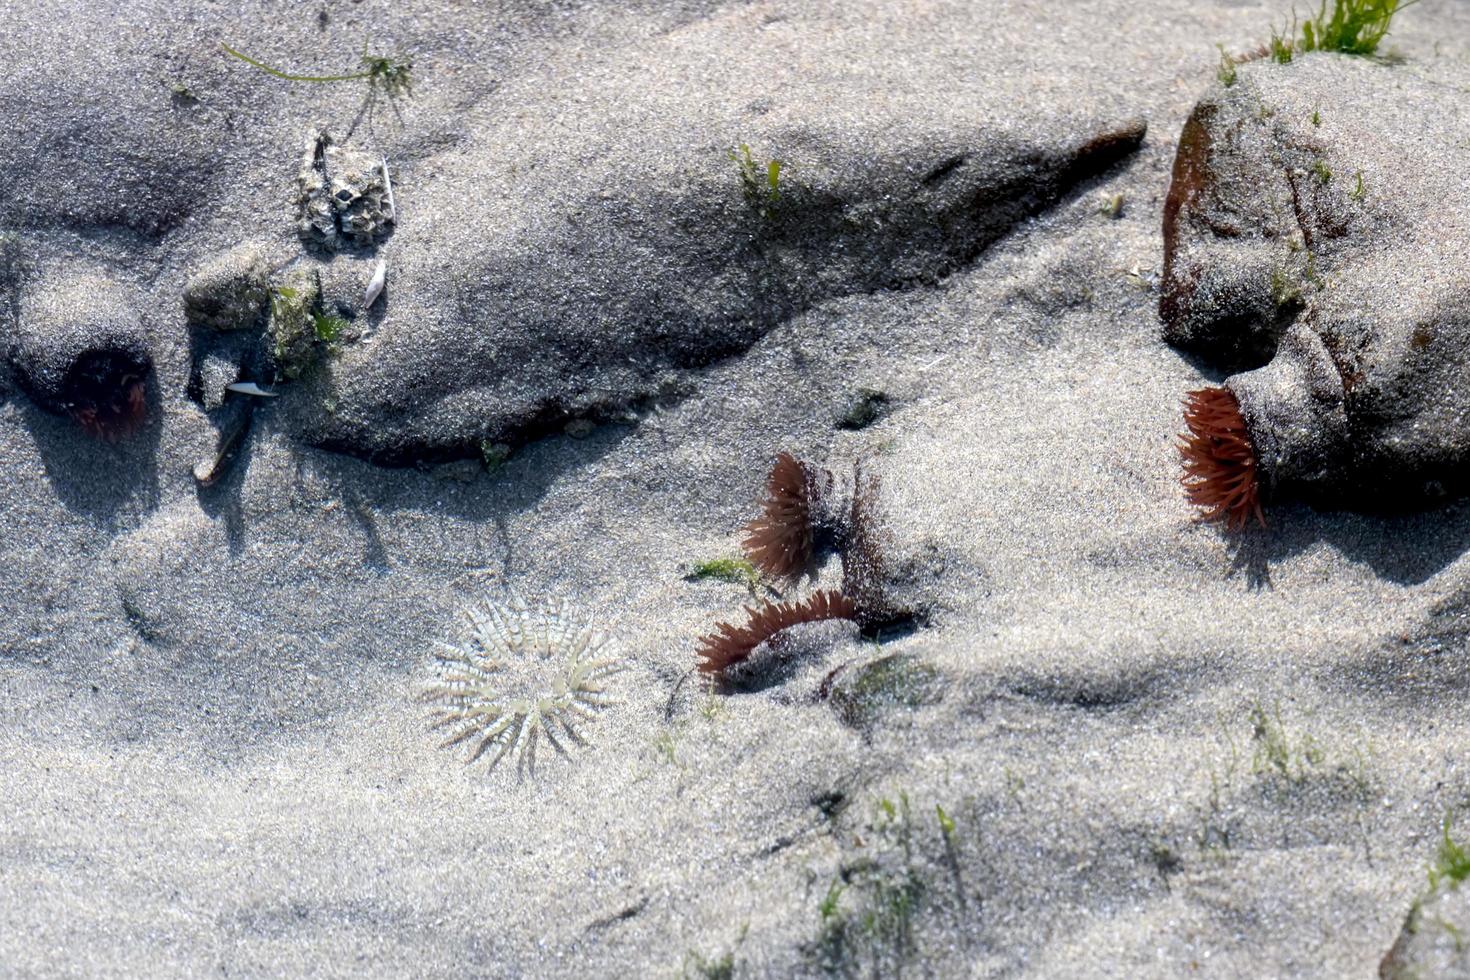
pixel 1354 27
pixel 761 183
pixel 1451 863
pixel 1227 72
pixel 736 571
pixel 328 328
pixel 1358 192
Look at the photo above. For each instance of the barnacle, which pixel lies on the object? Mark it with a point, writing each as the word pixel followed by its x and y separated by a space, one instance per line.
pixel 730 644
pixel 1220 468
pixel 520 675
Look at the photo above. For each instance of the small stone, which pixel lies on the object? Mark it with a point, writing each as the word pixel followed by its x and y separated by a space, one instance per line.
pixel 230 291
pixel 868 405
pixel 215 374
pixel 862 695
pixel 494 455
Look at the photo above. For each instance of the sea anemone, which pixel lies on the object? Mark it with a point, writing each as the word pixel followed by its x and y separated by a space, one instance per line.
pixel 805 507
pixel 107 391
pixel 1220 468
pixel 730 645
pixel 864 553
pixel 779 542
pixel 521 674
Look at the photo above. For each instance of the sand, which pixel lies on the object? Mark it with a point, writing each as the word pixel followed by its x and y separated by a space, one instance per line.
pixel 1159 750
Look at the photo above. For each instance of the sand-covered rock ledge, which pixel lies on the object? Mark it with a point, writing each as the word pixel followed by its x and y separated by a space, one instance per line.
pixel 294 373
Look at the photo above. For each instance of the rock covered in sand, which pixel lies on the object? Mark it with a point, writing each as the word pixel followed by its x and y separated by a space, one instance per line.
pixel 1314 234
pixel 80 349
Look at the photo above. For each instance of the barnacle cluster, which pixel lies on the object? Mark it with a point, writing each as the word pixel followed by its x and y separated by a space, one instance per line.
pixel 520 675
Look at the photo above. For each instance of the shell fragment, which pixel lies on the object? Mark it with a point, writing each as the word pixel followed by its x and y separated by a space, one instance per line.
pixel 250 388
pixel 375 285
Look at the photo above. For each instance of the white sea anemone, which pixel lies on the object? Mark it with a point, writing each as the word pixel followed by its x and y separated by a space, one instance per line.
pixel 520 674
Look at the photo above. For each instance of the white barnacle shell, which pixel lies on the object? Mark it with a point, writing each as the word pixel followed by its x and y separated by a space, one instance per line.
pixel 388 188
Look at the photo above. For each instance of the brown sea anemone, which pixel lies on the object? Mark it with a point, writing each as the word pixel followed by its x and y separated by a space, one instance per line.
pixel 780 541
pixel 107 392
pixel 1220 470
pixel 730 645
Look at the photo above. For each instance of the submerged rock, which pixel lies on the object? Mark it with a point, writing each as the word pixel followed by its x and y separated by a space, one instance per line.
pixel 1314 234
pixel 862 694
pixel 80 349
pixel 577 266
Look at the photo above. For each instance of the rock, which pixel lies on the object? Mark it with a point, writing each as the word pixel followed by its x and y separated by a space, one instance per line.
pixel 342 197
pixel 230 292
pixel 1432 942
pixel 1313 233
pixel 861 694
pixel 80 349
pixel 292 330
pixel 533 288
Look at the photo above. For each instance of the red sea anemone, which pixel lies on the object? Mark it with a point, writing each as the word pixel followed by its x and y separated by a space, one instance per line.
pixel 107 392
pixel 1220 470
pixel 730 645
pixel 779 542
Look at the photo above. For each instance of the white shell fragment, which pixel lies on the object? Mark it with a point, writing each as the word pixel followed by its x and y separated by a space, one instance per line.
pixel 388 186
pixel 375 286
pixel 249 388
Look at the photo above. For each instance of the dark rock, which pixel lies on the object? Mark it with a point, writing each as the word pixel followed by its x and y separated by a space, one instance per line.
pixel 1315 225
pixel 867 406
